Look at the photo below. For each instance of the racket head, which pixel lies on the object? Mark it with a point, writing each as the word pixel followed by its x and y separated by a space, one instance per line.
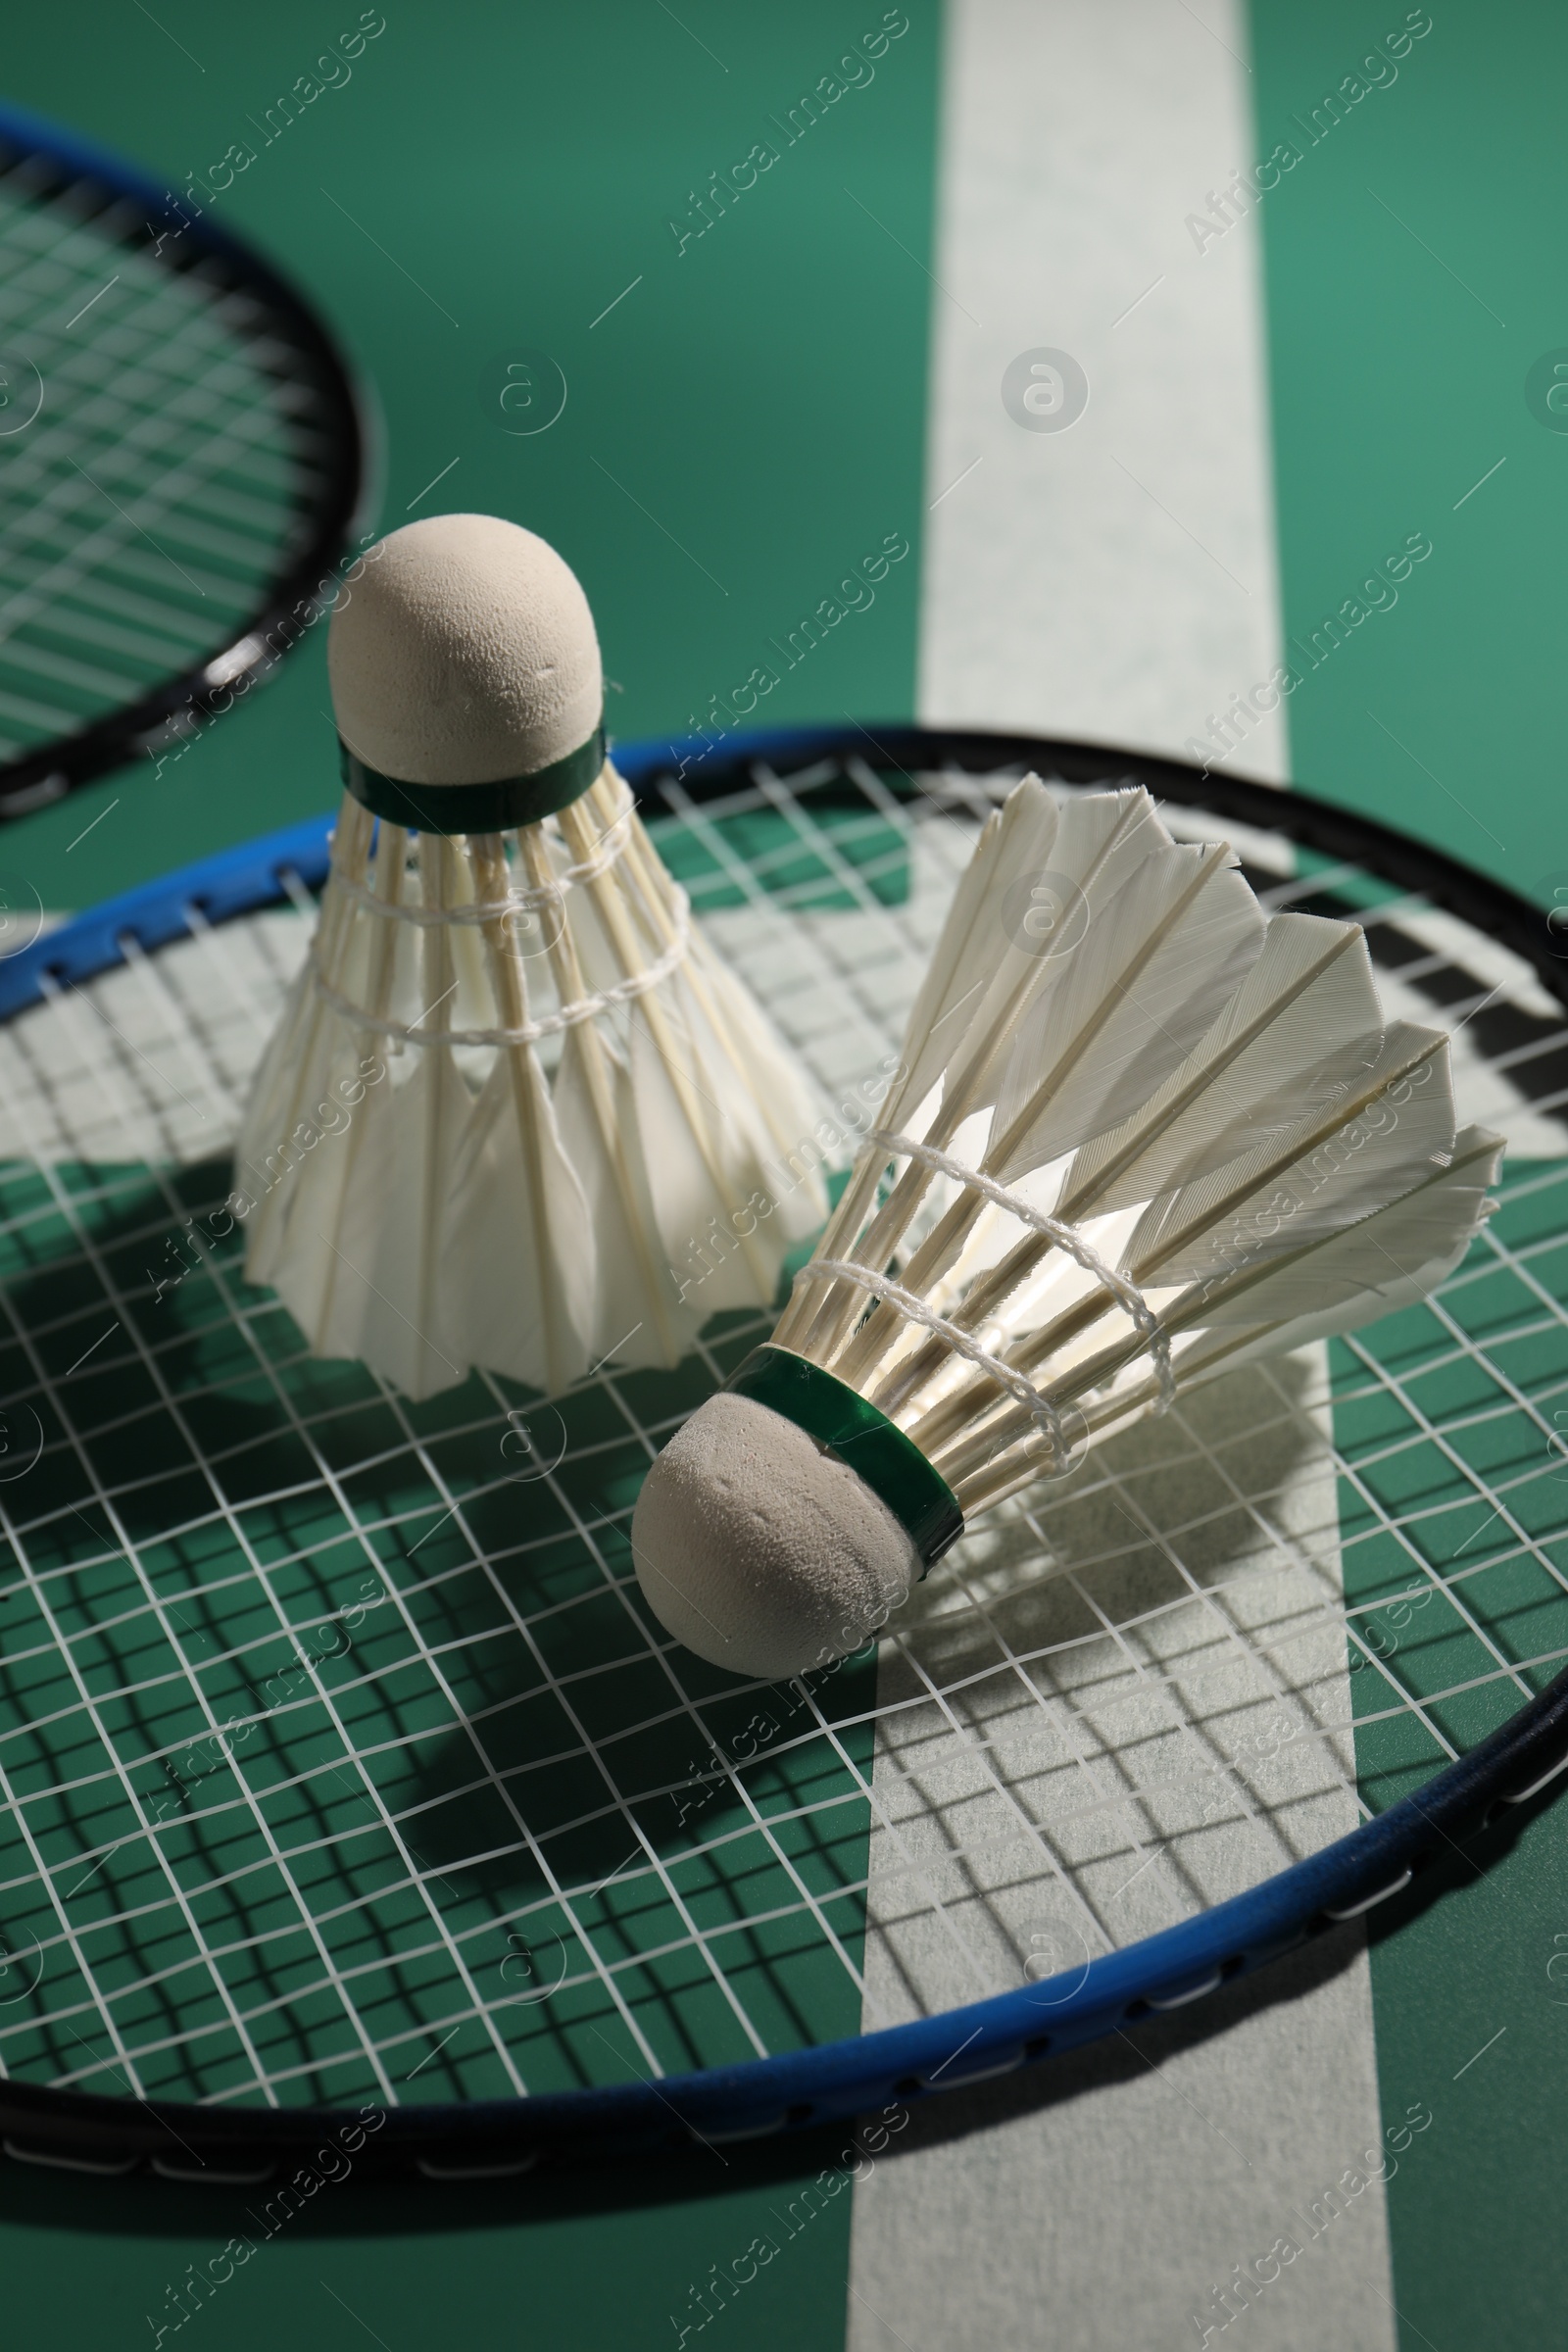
pixel 182 460
pixel 370 1785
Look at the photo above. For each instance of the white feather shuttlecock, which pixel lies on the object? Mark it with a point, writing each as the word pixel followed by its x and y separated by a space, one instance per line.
pixel 1144 1135
pixel 512 1084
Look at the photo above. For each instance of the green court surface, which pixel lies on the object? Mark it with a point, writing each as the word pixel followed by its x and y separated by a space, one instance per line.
pixel 745 423
pixel 1443 716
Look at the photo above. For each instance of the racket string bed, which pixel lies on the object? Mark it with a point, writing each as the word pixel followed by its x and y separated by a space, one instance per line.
pixel 237 1535
pixel 563 1895
pixel 658 1872
pixel 1279 1540
pixel 1129 1795
pixel 284 1627
pixel 1036 1833
pixel 1445 1443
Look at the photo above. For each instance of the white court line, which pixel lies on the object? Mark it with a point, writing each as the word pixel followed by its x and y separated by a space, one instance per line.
pixel 1089 582
pixel 1079 585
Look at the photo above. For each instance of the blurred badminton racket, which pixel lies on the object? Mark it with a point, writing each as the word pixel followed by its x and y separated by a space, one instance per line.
pixel 180 462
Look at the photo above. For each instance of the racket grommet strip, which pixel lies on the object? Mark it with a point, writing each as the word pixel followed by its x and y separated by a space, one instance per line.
pixel 989 2070
pixel 216 2175
pixel 1191 1993
pixel 503 2168
pixel 764 2129
pixel 1522 1796
pixel 1369 1902
pixel 109 2164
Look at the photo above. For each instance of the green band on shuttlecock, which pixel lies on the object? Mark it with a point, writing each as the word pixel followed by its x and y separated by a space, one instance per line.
pixel 496 808
pixel 890 1464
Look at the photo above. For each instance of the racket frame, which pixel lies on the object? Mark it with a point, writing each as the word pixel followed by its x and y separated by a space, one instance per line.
pixel 762 2098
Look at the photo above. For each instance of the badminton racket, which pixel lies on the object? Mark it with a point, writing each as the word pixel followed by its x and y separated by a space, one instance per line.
pixel 344 1777
pixel 181 463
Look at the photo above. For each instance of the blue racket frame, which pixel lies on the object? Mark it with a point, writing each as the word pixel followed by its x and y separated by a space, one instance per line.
pixel 765 2097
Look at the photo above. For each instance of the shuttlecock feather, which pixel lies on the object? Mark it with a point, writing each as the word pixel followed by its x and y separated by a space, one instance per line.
pixel 512 1087
pixel 1143 1136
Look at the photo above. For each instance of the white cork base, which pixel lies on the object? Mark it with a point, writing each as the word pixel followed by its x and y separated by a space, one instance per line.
pixel 760 1550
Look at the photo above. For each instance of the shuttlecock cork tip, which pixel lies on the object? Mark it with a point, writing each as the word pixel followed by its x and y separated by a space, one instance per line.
pixel 463 652
pixel 760 1549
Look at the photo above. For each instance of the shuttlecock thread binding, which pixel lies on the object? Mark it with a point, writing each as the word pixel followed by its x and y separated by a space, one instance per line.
pixel 527 1033
pixel 1066 1237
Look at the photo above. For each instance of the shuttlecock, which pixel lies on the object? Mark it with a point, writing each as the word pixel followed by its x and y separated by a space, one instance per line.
pixel 1143 1136
pixel 510 1084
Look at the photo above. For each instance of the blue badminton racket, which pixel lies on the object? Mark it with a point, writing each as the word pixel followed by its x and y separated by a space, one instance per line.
pixel 344 1776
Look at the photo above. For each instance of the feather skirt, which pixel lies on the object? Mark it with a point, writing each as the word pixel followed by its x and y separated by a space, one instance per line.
pixel 515 1115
